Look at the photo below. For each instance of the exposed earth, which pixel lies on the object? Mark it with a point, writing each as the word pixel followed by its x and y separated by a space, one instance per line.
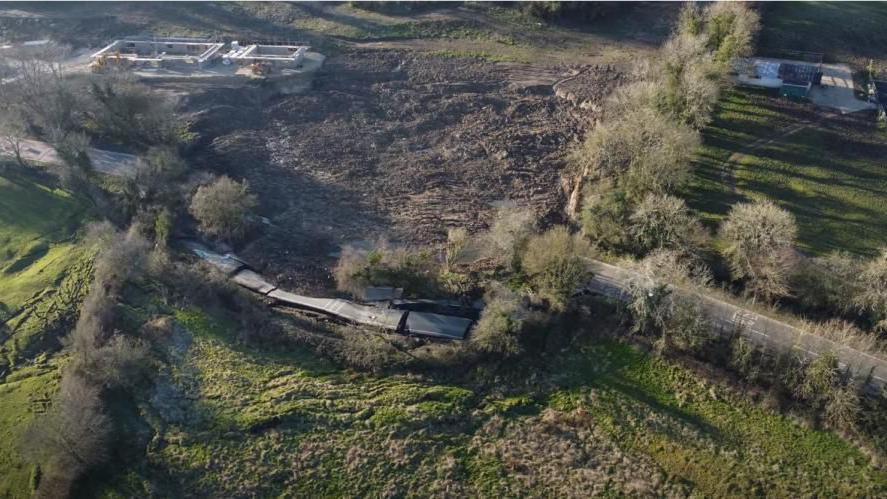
pixel 389 145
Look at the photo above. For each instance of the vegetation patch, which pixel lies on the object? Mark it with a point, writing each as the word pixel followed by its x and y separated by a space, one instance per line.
pixel 237 420
pixel 827 171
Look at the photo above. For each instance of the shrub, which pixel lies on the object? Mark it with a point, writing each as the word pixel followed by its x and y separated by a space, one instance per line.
pixel 554 262
pixel 163 227
pixel 223 208
pixel 872 295
pixel 760 237
pixel 663 221
pixel 828 283
pixel 821 376
pixel 457 242
pixel 687 328
pixel 414 271
pixel 842 408
pixel 501 323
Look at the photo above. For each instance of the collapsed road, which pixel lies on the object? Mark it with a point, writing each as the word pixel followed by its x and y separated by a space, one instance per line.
pixel 395 320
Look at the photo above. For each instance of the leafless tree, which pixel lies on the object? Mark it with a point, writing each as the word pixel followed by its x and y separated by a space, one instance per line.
pixel 664 221
pixel 509 233
pixel 760 239
pixel 13 130
pixel 72 437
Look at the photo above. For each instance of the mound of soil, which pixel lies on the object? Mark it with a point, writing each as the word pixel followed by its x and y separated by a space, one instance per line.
pixel 396 144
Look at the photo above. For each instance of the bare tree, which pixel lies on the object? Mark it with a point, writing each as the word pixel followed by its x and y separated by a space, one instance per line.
pixel 676 267
pixel 223 208
pixel 72 437
pixel 760 239
pixel 129 112
pixel 663 221
pixel 509 233
pixel 686 79
pixel 13 130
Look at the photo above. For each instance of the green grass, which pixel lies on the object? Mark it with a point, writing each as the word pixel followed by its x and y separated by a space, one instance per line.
pixel 251 421
pixel 37 223
pixel 832 176
pixel 22 396
pixel 41 266
pixel 850 32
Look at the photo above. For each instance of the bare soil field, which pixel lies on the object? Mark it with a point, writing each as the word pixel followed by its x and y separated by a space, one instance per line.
pixel 396 144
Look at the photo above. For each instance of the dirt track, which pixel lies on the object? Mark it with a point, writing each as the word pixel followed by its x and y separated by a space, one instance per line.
pixel 395 144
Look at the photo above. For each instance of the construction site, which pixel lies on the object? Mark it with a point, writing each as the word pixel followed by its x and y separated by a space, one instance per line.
pixel 171 57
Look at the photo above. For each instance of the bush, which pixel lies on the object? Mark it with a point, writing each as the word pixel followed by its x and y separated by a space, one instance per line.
pixel 223 208
pixel 554 262
pixel 414 271
pixel 676 267
pixel 605 213
pixel 501 323
pixel 731 28
pixel 457 243
pixel 663 221
pixel 760 237
pixel 641 150
pixel 873 289
pixel 828 283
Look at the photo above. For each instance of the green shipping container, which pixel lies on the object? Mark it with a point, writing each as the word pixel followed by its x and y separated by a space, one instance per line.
pixel 794 92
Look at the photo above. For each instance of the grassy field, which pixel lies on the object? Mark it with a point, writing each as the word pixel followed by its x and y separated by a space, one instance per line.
pixel 39 261
pixel 37 224
pixel 851 32
pixel 831 172
pixel 606 419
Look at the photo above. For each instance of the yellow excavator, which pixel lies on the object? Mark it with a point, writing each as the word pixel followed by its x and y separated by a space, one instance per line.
pixel 106 62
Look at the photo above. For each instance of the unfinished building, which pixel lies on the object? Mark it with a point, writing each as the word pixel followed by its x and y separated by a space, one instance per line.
pixel 158 52
pixel 280 56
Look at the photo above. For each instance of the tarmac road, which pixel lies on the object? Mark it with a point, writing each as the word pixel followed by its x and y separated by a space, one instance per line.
pixel 613 282
pixel 110 163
